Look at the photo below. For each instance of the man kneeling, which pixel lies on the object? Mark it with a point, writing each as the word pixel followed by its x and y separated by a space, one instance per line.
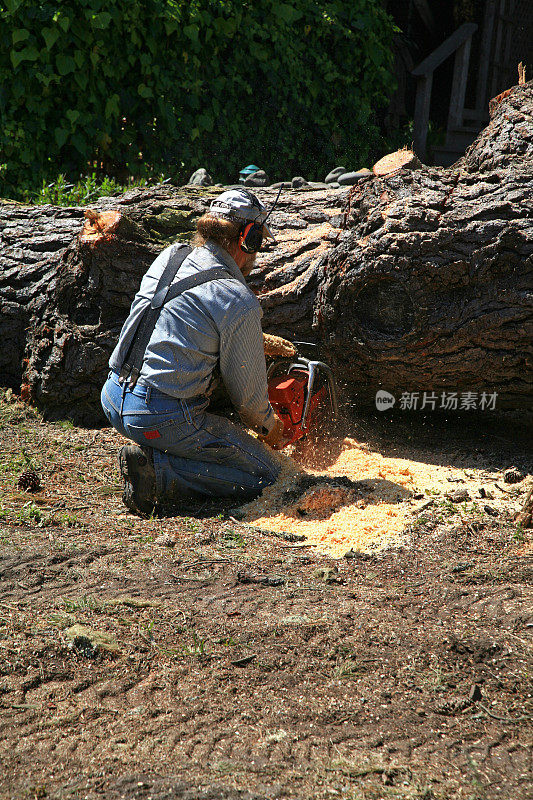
pixel 195 319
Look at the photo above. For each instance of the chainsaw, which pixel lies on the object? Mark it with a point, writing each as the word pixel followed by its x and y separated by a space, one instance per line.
pixel 297 388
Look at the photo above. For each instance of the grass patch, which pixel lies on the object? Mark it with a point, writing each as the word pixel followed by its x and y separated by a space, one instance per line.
pixel 85 603
pixel 62 193
pixel 196 647
pixel 231 538
pixel 13 410
pixel 518 535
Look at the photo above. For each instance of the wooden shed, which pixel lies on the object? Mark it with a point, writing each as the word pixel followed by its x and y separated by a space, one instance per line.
pixel 471 52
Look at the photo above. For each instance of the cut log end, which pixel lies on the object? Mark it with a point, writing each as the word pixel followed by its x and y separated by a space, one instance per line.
pixel 393 162
pixel 99 226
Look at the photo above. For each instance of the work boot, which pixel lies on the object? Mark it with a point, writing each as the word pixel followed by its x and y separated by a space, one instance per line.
pixel 137 469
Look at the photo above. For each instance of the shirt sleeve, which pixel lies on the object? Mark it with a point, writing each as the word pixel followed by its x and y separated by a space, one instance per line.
pixel 243 370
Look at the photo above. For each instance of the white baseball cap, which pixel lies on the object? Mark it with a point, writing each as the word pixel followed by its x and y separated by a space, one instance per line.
pixel 240 204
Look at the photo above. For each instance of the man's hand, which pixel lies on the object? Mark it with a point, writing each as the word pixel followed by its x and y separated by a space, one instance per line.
pixel 276 438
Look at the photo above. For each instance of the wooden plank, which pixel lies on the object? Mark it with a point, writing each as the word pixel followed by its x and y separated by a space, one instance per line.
pixel 509 71
pixel 446 49
pixel 460 77
pixel 496 76
pixel 422 107
pixel 482 98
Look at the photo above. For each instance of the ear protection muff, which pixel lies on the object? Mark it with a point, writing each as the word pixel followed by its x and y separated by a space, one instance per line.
pixel 251 237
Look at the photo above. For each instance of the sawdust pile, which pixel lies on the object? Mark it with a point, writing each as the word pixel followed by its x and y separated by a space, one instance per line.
pixel 371 515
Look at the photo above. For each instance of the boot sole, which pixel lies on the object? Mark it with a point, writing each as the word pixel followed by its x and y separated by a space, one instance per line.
pixel 128 494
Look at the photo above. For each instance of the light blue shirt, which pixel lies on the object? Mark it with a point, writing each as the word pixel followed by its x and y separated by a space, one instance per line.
pixel 215 324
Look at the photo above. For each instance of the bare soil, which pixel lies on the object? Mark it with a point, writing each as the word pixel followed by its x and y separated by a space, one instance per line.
pixel 241 666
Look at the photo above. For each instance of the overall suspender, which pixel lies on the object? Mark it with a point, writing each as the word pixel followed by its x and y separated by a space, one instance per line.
pixel 133 361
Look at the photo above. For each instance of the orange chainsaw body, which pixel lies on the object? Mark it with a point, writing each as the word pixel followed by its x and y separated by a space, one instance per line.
pixel 287 394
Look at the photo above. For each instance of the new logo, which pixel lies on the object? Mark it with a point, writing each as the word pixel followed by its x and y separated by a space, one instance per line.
pixel 384 400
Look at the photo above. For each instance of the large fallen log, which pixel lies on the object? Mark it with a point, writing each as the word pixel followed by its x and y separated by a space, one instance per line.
pixel 419 281
pixel 68 275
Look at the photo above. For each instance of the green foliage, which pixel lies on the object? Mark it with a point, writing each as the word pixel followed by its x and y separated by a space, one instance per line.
pixel 127 87
pixel 518 535
pixel 60 192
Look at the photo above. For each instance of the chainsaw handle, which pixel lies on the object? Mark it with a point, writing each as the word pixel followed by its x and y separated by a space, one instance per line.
pixel 331 386
pixel 312 367
pixel 286 362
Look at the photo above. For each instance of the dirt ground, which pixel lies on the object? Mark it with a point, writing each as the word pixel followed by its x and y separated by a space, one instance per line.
pixel 198 657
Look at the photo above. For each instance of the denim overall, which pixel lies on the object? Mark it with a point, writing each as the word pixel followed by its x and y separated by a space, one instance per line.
pixel 193 451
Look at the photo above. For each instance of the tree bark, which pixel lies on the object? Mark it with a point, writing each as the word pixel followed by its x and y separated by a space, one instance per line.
pixel 430 287
pixel 416 282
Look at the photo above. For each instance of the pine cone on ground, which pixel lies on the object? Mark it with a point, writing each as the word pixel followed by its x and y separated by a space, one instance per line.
pixel 29 481
pixel 513 475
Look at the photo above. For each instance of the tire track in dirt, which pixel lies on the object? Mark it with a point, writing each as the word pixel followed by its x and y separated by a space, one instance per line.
pixel 341 672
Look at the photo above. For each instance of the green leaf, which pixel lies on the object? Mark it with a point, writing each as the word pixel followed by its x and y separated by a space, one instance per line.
pixel 112 107
pixel 12 5
pixel 15 58
pixel 65 64
pixel 61 136
pixel 20 35
pixel 28 54
pixel 79 58
pixel 286 12
pixel 73 116
pixel 171 27
pixel 51 35
pixel 151 43
pixel 44 79
pixel 101 20
pixel 18 88
pixel 81 79
pixel 62 21
pixel 206 121
pixel 79 143
pixel 144 91
pixel 191 32
pixel 225 27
